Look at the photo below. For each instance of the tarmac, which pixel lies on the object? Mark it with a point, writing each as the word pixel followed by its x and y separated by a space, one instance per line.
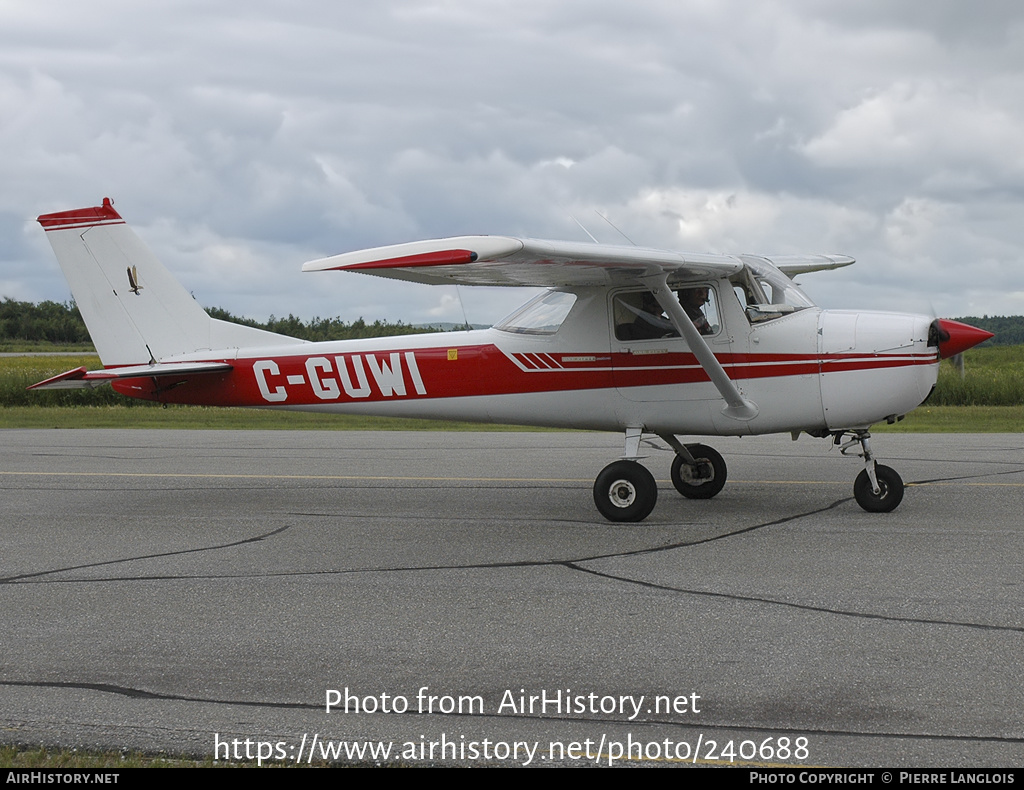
pixel 460 600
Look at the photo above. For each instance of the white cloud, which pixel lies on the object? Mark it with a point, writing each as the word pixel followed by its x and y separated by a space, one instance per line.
pixel 243 142
pixel 932 131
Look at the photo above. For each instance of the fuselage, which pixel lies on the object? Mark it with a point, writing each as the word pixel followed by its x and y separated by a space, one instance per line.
pixel 568 362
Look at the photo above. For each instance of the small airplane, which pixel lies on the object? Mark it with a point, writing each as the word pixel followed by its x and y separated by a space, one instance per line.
pixel 625 339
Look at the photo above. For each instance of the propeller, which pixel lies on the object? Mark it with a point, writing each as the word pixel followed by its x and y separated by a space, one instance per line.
pixel 957 361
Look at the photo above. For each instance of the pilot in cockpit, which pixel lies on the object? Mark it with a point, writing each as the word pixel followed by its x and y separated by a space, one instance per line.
pixel 642 318
pixel 693 301
pixel 646 318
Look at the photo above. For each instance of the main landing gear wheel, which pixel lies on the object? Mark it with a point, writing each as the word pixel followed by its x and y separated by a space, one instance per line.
pixel 704 480
pixel 890 490
pixel 625 491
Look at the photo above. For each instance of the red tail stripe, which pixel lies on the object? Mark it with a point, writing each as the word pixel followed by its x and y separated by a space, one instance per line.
pixel 82 217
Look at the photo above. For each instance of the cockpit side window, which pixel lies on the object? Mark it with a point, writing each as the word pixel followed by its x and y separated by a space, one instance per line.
pixel 638 316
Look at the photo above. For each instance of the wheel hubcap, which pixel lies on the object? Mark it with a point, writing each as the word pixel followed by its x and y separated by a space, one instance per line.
pixel 622 493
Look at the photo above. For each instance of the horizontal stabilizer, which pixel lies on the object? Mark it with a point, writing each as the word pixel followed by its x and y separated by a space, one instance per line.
pixel 80 378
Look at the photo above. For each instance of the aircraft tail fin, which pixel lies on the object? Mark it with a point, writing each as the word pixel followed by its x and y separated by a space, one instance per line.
pixel 135 310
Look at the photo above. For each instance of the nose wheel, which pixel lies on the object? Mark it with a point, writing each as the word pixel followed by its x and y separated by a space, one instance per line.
pixel 890 490
pixel 877 489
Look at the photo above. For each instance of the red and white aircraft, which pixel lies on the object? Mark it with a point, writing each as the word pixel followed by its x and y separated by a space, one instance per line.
pixel 626 339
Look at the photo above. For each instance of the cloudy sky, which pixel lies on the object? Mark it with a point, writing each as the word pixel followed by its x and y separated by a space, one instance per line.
pixel 240 140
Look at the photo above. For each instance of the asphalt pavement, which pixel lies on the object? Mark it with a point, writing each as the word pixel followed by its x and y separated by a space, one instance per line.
pixel 456 598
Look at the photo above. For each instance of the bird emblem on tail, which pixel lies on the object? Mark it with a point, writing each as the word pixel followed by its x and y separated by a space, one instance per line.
pixel 133 280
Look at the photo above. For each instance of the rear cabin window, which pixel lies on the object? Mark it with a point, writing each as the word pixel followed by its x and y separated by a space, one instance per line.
pixel 542 315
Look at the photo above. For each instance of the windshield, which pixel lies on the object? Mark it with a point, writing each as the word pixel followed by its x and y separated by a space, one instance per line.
pixel 542 315
pixel 767 293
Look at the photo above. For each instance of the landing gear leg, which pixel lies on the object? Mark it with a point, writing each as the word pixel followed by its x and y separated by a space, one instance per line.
pixel 877 489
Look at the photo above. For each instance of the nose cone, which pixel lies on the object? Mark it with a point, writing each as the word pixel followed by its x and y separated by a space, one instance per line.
pixel 955 338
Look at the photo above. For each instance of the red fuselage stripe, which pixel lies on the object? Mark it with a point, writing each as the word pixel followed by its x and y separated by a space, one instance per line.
pixel 474 371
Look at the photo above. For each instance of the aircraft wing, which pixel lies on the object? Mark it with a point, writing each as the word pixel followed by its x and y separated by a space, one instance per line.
pixel 80 378
pixel 792 265
pixel 502 260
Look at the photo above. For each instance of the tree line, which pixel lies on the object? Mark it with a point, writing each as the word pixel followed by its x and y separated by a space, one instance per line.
pixel 61 323
pixel 51 322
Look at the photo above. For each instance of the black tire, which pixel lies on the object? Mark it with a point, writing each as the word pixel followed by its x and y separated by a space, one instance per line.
pixel 625 491
pixel 890 492
pixel 704 482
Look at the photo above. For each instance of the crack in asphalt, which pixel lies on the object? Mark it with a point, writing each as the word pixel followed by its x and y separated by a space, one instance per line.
pixel 256 539
pixel 1016 471
pixel 396 569
pixel 792 605
pixel 134 693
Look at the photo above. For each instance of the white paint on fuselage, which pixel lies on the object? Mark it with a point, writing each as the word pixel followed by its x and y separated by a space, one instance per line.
pixel 804 401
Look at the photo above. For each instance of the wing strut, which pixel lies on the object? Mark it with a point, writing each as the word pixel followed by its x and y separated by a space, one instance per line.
pixel 738 407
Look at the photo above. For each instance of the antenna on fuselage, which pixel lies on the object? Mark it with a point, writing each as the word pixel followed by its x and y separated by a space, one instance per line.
pixel 584 229
pixel 602 216
pixel 465 316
